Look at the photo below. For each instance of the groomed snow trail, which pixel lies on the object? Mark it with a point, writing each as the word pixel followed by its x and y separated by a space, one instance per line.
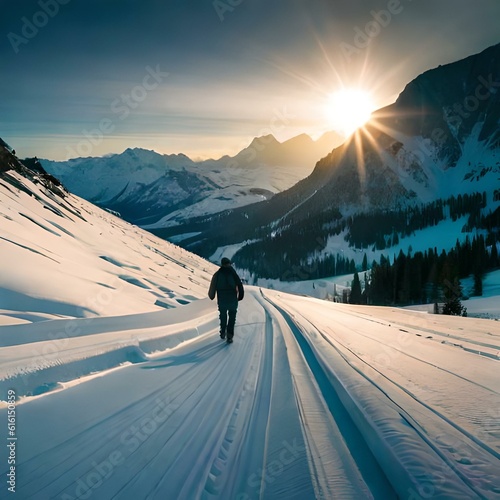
pixel 290 410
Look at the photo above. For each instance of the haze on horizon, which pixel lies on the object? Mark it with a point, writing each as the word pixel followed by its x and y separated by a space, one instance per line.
pixel 205 77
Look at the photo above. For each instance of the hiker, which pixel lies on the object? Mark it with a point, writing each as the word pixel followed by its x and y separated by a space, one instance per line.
pixel 227 284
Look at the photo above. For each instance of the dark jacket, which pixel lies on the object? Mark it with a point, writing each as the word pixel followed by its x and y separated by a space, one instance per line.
pixel 227 284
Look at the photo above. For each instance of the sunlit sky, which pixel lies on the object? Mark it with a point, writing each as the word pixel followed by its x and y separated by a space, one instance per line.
pixel 203 77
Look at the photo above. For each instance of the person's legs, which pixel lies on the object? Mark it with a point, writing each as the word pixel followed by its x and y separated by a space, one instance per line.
pixel 231 322
pixel 223 321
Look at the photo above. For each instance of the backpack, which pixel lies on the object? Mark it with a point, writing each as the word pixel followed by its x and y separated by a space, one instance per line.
pixel 225 281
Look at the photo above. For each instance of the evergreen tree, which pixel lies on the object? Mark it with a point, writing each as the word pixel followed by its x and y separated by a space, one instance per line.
pixel 478 284
pixel 352 266
pixel 366 291
pixel 355 297
pixel 395 239
pixel 494 255
pixel 452 305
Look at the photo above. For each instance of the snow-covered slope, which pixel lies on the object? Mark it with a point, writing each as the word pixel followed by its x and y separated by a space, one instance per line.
pixel 114 382
pixel 63 255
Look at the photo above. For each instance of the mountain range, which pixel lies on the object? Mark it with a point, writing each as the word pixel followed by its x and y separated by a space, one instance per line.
pixel 155 190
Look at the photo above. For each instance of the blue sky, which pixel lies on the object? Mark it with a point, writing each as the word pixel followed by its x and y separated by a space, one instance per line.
pixel 203 77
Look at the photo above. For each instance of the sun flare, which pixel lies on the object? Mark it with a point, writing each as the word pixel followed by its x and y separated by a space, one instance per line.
pixel 348 109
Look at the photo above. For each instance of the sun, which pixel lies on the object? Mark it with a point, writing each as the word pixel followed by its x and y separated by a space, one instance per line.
pixel 348 109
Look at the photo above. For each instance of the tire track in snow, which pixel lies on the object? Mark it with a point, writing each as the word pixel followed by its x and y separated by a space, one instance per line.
pixel 342 464
pixel 96 442
pixel 446 449
pixel 419 359
pixel 285 471
pixel 472 413
pixel 453 447
pixel 249 422
pixel 473 478
pixel 445 336
pixel 264 437
pixel 196 429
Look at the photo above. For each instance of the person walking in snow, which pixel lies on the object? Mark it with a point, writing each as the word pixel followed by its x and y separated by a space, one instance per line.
pixel 229 289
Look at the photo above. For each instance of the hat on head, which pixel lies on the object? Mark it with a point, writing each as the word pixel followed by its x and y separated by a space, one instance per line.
pixel 225 261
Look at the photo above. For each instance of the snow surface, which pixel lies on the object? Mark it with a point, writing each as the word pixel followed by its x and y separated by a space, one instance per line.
pixel 125 390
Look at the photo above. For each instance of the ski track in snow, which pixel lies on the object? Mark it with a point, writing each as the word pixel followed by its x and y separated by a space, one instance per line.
pixel 358 407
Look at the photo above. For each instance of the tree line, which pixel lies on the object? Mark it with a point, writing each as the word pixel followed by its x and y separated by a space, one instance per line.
pixel 430 276
pixel 297 251
pixel 383 229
